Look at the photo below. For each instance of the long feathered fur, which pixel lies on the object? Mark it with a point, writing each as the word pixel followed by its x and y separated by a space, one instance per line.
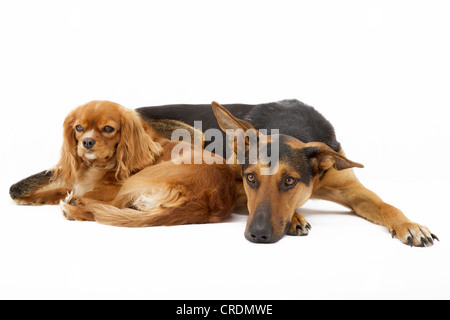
pixel 135 151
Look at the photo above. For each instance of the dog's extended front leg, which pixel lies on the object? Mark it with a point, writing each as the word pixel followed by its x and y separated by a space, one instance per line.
pixel 44 197
pixel 21 191
pixel 344 188
pixel 39 189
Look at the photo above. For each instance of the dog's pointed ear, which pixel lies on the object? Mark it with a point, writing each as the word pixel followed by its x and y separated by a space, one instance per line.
pixel 323 158
pixel 227 121
pixel 240 133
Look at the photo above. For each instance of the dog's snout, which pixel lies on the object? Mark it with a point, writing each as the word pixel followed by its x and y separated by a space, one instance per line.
pixel 260 229
pixel 88 143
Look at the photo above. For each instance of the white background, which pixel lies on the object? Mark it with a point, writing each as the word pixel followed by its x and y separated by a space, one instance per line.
pixel 378 70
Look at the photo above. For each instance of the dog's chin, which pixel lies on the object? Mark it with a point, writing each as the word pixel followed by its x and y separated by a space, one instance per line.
pixel 96 160
pixel 90 156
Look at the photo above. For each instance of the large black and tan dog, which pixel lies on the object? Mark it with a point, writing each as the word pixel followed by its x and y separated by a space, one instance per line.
pixel 311 164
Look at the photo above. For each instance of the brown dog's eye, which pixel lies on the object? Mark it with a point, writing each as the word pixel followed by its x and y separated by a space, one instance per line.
pixel 79 128
pixel 251 178
pixel 108 129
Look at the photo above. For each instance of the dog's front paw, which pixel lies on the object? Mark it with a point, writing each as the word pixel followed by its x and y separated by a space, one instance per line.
pixel 74 208
pixel 413 234
pixel 65 206
pixel 299 226
pixel 70 199
pixel 69 206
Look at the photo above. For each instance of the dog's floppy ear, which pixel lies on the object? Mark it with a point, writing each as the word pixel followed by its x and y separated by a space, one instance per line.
pixel 323 158
pixel 69 164
pixel 136 149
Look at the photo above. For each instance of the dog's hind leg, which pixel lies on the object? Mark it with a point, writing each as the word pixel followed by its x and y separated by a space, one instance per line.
pixel 344 188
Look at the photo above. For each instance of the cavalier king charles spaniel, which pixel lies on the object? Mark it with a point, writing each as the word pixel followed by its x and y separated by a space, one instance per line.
pixel 116 170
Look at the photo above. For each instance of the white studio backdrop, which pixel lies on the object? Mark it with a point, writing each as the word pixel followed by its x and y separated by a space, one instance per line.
pixel 378 70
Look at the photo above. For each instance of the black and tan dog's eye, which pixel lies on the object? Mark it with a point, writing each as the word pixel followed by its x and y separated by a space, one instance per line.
pixel 108 129
pixel 79 128
pixel 290 182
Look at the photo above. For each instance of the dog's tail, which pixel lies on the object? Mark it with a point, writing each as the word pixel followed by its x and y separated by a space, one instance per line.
pixel 165 195
pixel 171 205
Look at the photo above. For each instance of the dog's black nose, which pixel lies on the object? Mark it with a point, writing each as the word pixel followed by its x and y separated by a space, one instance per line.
pixel 88 143
pixel 260 236
pixel 260 233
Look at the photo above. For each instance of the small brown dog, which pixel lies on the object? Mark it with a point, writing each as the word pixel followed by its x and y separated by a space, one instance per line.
pixel 116 170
